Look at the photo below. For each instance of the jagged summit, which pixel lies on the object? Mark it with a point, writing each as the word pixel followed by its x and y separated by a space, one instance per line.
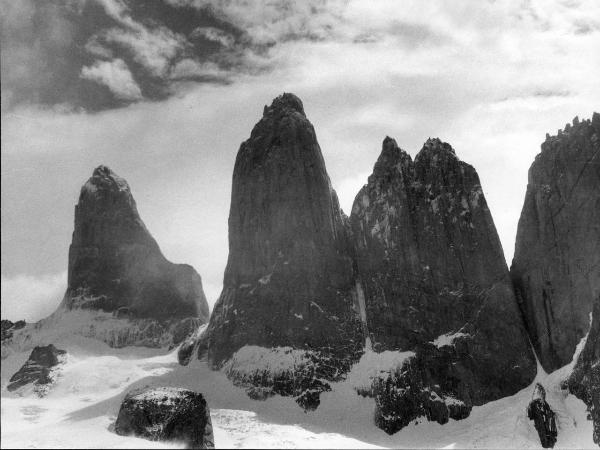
pixel 435 282
pixel 286 102
pixel 103 178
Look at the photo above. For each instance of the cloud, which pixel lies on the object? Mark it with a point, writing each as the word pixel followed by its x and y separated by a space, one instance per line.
pixel 190 69
pixel 153 49
pixel 31 297
pixel 116 76
pixel 490 79
pixel 215 35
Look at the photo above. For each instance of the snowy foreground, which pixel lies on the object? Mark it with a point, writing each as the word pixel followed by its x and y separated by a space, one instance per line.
pixel 81 407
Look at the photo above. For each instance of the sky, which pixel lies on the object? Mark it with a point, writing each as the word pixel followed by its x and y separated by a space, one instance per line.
pixel 164 92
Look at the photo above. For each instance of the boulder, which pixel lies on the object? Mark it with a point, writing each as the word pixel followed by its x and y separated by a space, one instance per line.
pixel 584 382
pixel 557 253
pixel 289 280
pixel 434 281
pixel 166 414
pixel 543 417
pixel 37 369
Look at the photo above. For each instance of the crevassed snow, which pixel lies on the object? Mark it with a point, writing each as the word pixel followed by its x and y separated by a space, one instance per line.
pixel 447 339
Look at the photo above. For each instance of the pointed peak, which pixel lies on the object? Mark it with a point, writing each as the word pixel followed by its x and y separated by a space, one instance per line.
pixel 391 157
pixel 389 142
pixel 286 102
pixel 103 177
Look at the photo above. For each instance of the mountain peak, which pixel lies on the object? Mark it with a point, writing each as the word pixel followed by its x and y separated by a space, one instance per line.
pixel 105 179
pixel 286 102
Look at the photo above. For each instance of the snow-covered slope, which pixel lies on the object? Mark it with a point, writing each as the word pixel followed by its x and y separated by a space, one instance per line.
pixel 80 409
pixel 105 327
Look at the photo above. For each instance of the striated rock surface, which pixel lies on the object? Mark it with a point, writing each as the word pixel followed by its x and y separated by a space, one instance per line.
pixel 435 281
pixel 543 417
pixel 289 280
pixel 37 369
pixel 584 382
pixel 115 265
pixel 556 268
pixel 166 414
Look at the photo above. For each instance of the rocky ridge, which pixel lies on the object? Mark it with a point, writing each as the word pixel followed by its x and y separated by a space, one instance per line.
pixel 556 268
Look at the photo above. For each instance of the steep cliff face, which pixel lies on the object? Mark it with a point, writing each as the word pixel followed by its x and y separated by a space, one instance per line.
pixel 115 265
pixel 435 280
pixel 556 268
pixel 584 382
pixel 289 279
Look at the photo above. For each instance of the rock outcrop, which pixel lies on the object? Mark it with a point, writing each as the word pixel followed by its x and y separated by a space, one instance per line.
pixel 7 328
pixel 584 382
pixel 115 265
pixel 543 417
pixel 289 280
pixel 556 268
pixel 166 414
pixel 37 369
pixel 435 282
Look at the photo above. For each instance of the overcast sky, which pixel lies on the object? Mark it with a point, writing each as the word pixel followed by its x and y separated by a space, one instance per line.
pixel 164 92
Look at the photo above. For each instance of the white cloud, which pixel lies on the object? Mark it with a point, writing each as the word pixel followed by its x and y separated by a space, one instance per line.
pixel 215 35
pixel 189 68
pixel 116 76
pixel 31 298
pixel 153 47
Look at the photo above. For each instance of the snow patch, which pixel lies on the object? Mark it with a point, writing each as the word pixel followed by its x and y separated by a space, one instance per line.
pixel 373 365
pixel 253 360
pixel 448 339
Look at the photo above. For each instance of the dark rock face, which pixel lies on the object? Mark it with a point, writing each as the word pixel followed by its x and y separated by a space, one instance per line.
pixel 435 282
pixel 166 414
pixel 289 279
pixel 543 417
pixel 116 266
pixel 584 382
pixel 556 268
pixel 37 368
pixel 428 385
pixel 7 328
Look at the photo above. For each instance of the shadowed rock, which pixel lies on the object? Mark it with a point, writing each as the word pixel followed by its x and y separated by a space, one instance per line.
pixel 584 382
pixel 289 279
pixel 8 328
pixel 556 268
pixel 543 417
pixel 37 368
pixel 166 414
